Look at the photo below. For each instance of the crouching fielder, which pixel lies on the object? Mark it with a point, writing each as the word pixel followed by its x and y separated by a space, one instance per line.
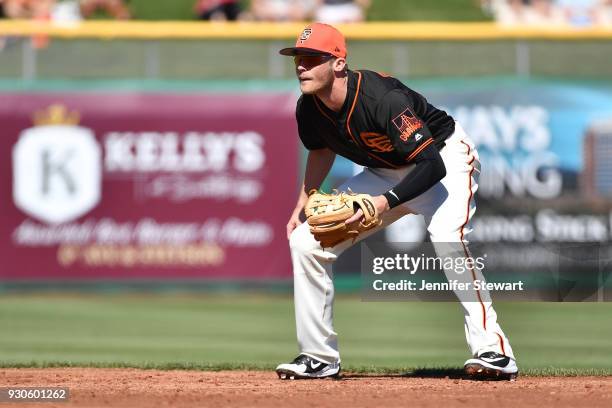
pixel 417 160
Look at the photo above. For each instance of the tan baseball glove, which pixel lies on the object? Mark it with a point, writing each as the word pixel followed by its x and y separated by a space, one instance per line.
pixel 326 215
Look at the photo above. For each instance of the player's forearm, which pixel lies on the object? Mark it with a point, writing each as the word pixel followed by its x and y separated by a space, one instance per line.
pixel 318 165
pixel 428 171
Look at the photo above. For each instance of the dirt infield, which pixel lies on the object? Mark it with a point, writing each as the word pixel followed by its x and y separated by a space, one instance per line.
pixel 148 388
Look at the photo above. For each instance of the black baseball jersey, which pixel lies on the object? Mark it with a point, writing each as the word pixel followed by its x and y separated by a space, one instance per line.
pixel 382 123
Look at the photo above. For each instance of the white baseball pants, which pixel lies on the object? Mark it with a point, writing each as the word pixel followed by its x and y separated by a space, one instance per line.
pixel 447 207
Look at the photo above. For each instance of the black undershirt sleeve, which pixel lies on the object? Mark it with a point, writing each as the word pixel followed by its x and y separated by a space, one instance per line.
pixel 428 171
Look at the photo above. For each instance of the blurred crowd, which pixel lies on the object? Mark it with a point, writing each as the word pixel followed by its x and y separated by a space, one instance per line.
pixel 328 11
pixel 507 12
pixel 63 10
pixel 533 12
pixel 69 11
pixel 582 13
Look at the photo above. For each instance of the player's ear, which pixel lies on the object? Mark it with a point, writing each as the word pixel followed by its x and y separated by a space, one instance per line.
pixel 339 64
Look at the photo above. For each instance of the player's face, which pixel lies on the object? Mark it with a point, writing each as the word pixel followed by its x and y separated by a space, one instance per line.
pixel 315 72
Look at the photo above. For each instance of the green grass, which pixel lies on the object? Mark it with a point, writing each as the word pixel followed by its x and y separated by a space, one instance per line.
pixel 256 332
pixel 162 9
pixel 352 370
pixel 418 10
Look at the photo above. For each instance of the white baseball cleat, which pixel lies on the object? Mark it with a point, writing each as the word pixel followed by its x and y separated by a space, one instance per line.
pixel 304 367
pixel 491 366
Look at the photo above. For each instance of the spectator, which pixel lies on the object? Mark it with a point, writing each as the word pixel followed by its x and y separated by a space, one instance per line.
pixel 549 12
pixel 606 11
pixel 67 11
pixel 217 9
pixel 341 11
pixel 116 9
pixel 543 12
pixel 282 10
pixel 28 9
pixel 2 16
pixel 509 12
pixel 76 10
pixel 581 12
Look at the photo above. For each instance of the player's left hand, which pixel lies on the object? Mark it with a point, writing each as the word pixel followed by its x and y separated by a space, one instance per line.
pixel 381 203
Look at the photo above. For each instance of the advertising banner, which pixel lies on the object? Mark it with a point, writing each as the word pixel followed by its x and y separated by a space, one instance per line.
pixel 545 150
pixel 171 186
pixel 146 186
pixel 546 157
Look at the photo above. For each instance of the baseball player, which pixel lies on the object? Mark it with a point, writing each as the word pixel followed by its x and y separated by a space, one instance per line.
pixel 417 160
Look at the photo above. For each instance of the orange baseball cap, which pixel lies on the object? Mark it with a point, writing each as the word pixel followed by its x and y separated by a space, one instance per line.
pixel 318 38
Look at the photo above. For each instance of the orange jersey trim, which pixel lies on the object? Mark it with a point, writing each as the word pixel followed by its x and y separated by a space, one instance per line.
pixel 420 149
pixel 348 123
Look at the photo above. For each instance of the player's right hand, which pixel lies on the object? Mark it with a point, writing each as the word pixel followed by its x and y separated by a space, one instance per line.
pixel 293 223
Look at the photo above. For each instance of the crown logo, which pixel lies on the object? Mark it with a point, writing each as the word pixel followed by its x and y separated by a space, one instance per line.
pixel 56 114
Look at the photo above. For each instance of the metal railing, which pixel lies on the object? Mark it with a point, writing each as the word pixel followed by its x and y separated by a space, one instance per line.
pixel 201 50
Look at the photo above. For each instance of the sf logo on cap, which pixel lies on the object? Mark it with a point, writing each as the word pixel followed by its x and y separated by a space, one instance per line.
pixel 305 34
